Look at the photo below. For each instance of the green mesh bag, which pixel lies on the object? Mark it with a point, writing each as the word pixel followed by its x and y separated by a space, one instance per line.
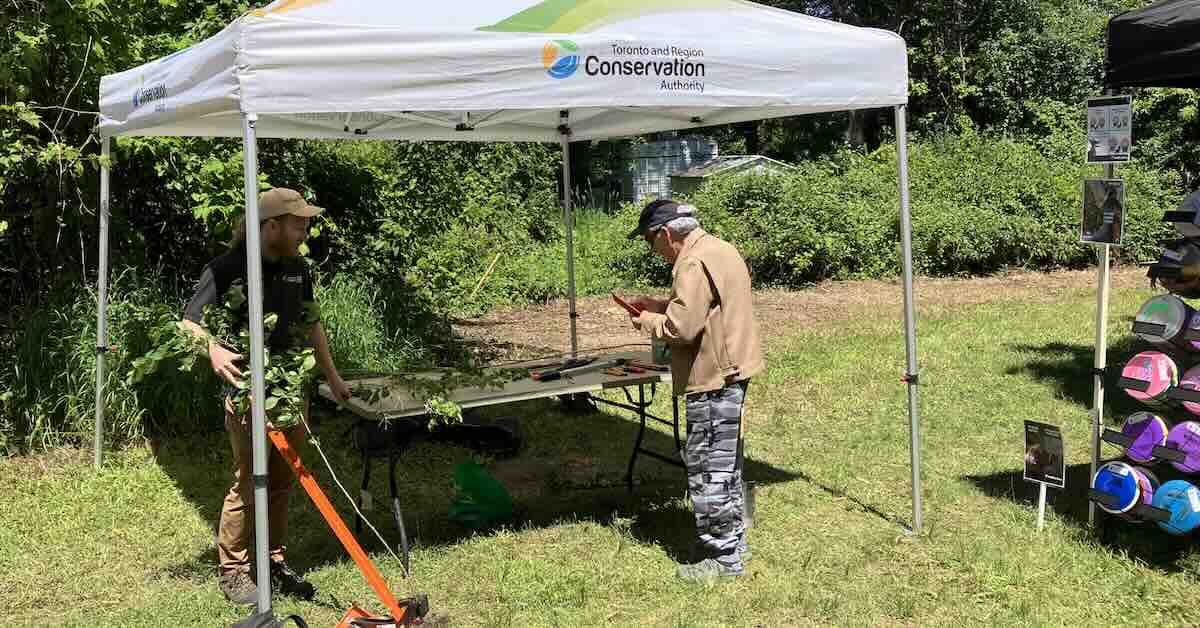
pixel 481 500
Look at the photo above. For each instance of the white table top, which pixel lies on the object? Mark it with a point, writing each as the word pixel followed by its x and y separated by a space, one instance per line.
pixel 400 401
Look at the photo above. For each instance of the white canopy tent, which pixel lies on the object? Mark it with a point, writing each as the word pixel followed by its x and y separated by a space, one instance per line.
pixel 498 70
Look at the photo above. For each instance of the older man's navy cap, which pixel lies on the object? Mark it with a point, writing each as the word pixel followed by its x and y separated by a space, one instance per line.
pixel 659 213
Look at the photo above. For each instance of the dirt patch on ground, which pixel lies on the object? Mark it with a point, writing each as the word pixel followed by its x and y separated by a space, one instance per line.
pixel 543 330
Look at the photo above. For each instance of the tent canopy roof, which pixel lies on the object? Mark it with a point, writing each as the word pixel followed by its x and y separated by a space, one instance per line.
pixel 1157 46
pixel 505 70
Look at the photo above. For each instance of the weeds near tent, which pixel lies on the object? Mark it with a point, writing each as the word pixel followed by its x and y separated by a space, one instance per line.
pixel 48 384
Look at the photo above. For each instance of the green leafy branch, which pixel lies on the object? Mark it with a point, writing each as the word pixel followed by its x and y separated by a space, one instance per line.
pixel 287 375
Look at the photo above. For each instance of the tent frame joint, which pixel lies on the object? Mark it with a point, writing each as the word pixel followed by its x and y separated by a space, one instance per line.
pixel 564 128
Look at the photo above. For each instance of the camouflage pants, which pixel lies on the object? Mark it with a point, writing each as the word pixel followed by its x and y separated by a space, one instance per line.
pixel 713 455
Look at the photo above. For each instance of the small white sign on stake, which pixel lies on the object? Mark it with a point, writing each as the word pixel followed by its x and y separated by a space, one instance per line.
pixel 1045 463
pixel 1110 129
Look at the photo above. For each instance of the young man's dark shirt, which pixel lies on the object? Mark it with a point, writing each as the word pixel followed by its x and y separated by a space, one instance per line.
pixel 287 286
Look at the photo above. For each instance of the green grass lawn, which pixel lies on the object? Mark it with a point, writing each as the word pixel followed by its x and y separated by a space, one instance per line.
pixel 828 447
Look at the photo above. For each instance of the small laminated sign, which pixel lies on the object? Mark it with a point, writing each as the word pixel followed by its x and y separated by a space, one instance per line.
pixel 1044 459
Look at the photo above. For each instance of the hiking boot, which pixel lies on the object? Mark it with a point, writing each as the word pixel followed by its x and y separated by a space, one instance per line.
pixel 289 582
pixel 238 587
pixel 709 569
pixel 745 553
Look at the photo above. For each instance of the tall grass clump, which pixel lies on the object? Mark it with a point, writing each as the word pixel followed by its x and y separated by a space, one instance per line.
pixel 354 314
pixel 49 384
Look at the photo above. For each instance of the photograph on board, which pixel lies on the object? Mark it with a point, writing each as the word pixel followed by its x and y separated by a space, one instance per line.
pixel 1103 211
pixel 1044 460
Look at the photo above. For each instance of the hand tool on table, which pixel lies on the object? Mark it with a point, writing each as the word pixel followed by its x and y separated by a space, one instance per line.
pixel 649 366
pixel 622 371
pixel 570 371
pixel 555 372
pixel 595 366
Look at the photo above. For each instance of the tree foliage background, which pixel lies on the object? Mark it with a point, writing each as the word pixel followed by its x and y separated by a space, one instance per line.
pixel 413 228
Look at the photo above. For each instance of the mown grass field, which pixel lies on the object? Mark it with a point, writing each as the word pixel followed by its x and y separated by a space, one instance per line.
pixel 827 440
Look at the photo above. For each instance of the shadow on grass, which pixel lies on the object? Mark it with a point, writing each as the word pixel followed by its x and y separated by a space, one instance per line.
pixel 1141 540
pixel 572 469
pixel 864 506
pixel 1069 368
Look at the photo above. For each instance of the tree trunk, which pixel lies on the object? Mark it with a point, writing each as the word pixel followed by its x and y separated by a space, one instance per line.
pixel 856 131
pixel 750 131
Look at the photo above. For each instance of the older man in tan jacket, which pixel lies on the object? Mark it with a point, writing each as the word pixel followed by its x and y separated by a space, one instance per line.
pixel 708 322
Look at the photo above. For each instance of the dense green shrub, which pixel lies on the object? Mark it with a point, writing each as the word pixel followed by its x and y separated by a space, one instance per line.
pixel 425 220
pixel 979 205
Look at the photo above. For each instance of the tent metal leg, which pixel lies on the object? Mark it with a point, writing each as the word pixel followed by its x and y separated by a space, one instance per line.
pixel 912 376
pixel 258 431
pixel 102 301
pixel 569 228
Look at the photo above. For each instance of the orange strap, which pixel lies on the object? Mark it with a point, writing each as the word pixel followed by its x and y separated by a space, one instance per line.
pixel 374 578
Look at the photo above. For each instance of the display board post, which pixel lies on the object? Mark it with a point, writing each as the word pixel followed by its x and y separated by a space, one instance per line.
pixel 1041 505
pixel 1101 353
pixel 1100 362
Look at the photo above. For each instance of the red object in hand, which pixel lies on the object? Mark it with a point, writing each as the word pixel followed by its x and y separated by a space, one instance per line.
pixel 632 309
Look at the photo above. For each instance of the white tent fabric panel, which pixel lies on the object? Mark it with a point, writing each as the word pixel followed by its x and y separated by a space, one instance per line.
pixel 177 91
pixel 311 68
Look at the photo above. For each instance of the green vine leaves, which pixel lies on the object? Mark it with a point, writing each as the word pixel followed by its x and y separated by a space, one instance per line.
pixel 288 375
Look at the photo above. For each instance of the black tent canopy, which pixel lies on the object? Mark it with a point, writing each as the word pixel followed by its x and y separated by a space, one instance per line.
pixel 1156 46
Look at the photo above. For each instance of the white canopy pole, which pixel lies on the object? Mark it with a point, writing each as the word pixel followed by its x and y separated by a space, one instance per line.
pixel 569 224
pixel 911 377
pixel 102 300
pixel 258 425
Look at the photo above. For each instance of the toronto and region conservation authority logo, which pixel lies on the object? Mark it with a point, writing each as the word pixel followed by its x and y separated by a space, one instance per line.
pixel 560 58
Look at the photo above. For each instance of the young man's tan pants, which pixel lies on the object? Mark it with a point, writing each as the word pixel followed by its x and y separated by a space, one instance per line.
pixel 235 530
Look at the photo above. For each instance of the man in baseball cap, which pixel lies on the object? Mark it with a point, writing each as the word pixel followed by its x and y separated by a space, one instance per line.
pixel 708 322
pixel 287 293
pixel 276 202
pixel 659 213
